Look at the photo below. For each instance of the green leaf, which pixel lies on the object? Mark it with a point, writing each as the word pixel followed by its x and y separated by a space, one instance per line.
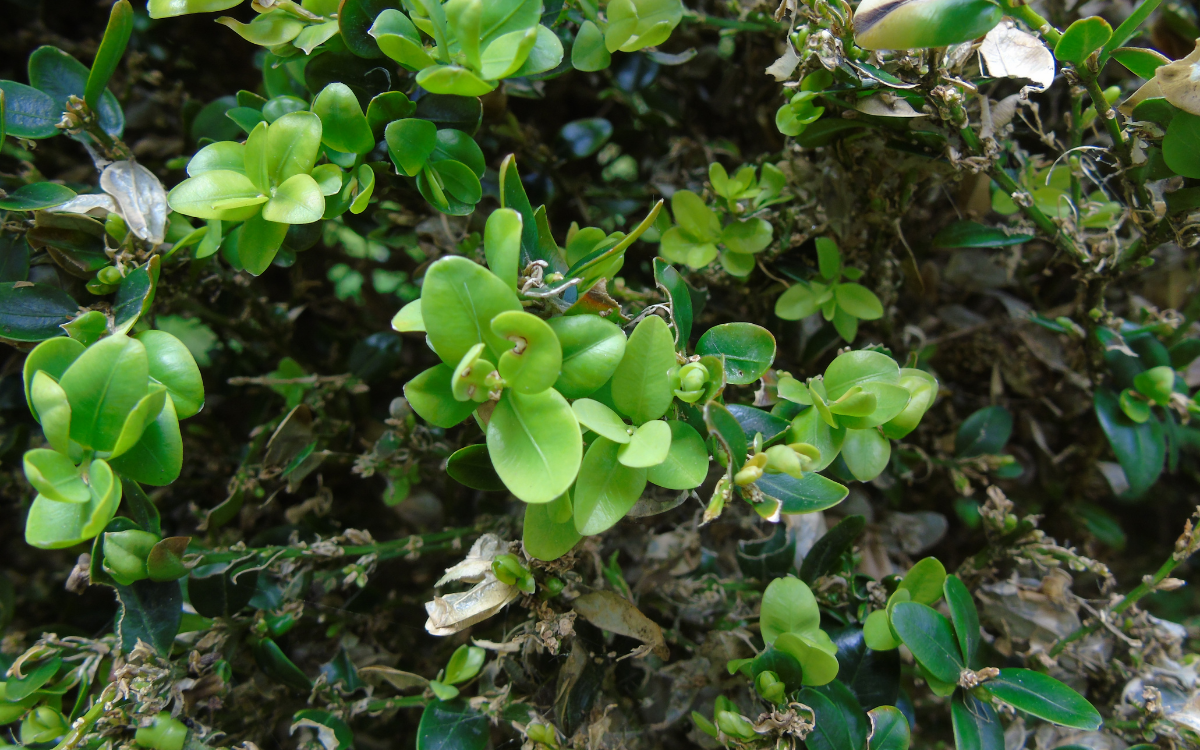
pixel 278 667
pixel 749 350
pixel 858 301
pixel 976 725
pixel 686 464
pixel 472 466
pixel 873 676
pixel 54 525
pixel 923 389
pixel 1140 61
pixel 973 234
pixel 465 663
pixel 549 529
pixel 432 398
pixel 293 143
pixel 985 432
pixel 56 73
pixel 879 24
pixel 758 421
pixel 923 582
pixel 1044 697
pixel 399 39
pixel 33 312
pixel 225 155
pixel 20 688
pixel 680 298
pixel 965 617
pixel 827 552
pixel 723 426
pixel 606 489
pixel 785 666
pixel 889 729
pixel 592 349
pixel 840 723
pixel 344 127
pixel 103 385
pixel 535 444
pixel 788 606
pixel 55 476
pixel 1140 448
pixel 877 632
pixel 866 453
pixel 386 108
pixel 635 24
pixel 217 194
pixel 533 363
pixel 588 53
pixel 859 368
pixel 171 364
pixel 748 236
pixel 797 302
pixel 49 404
pixel 409 319
pixel 502 244
pixel 602 420
pixel 648 447
pixel 112 47
pixel 221 590
pixel 1179 150
pixel 29 113
pixel 149 611
pixel 695 217
pixel 297 201
pixel 1081 39
pixel 157 458
pixel 53 357
pixel 640 386
pixel 808 495
pixel 269 29
pixel 453 79
pixel 459 298
pixel 165 561
pixel 507 53
pixel 135 295
pixel 930 638
pixel 452 725
pixel 37 196
pixel 324 720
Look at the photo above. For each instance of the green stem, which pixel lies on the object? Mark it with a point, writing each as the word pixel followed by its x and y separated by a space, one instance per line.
pixel 1035 214
pixel 84 724
pixel 1076 133
pixel 1106 113
pixel 1143 588
pixel 435 542
pixel 1034 21
pixel 385 704
pixel 732 23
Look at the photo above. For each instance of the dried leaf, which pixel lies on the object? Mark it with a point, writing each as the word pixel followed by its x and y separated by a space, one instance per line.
pixel 141 197
pixel 1009 52
pixel 1180 82
pixel 398 679
pixel 85 204
pixel 614 613
pixel 782 69
pixel 478 561
pixel 887 105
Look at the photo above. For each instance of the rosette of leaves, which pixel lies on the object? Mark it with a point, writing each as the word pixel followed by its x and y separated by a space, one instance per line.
pixel 263 186
pixel 735 235
pixel 947 652
pixel 446 163
pixel 863 399
pixel 109 410
pixel 626 26
pixel 476 43
pixel 896 24
pixel 843 303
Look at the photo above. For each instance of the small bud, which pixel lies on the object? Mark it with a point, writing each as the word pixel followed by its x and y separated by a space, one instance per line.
pixel 770 687
pixel 542 733
pixel 125 554
pixel 164 733
pixel 735 725
pixel 109 275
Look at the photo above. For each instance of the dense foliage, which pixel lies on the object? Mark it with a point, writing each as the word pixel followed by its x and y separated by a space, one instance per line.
pixel 600 374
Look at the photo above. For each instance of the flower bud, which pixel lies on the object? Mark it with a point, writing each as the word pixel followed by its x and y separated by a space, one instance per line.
pixel 115 226
pixel 735 725
pixel 42 724
pixel 688 381
pixel 752 471
pixel 109 275
pixel 541 733
pixel 125 554
pixel 508 569
pixel 770 687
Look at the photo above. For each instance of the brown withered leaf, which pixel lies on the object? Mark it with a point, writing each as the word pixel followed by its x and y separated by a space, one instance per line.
pixel 617 614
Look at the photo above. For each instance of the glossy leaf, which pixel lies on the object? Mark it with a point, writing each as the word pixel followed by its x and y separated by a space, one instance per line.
pixel 1044 697
pixel 606 489
pixel 640 386
pixel 647 447
pixel 923 581
pixel 459 298
pixel 535 444
pixel 549 530
pixel 686 464
pixel 748 349
pixel 976 725
pixel 502 244
pixel 37 196
pixel 724 427
pixel 29 113
pixel 112 47
pixel 1081 39
pixel 788 606
pixel 33 312
pixel 452 725
pixel 974 234
pixel 828 550
pixel 157 458
pixel 54 525
pixel 832 730
pixel 883 24
pixel 54 475
pixel 103 385
pixel 964 617
pixel 217 194
pixel 808 495
pixel 432 398
pixel 866 453
pixel 149 611
pixel 298 200
pixel 602 420
pixel 985 432
pixel 889 729
pixel 344 127
pixel 59 75
pixel 931 639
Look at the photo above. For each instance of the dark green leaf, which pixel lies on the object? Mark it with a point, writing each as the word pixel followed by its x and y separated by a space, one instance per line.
pixel 33 312
pixel 386 107
pixel 808 495
pixel 36 196
pixel 135 295
pixel 279 667
pixel 825 554
pixel 974 234
pixel 220 591
pixel 783 664
pixel 14 258
pixel 112 47
pixel 930 638
pixel 149 611
pixel 767 559
pixel 1140 448
pixel 976 725
pixel 889 729
pixel 19 688
pixel 583 138
pixel 873 676
pixel 725 428
pixel 841 724
pixel 140 507
pixel 29 113
pixel 452 725
pixel 354 19
pixel 1044 697
pixel 964 616
pixel 472 466
pixel 341 731
pixel 680 297
pixel 448 111
pixel 758 421
pixel 749 350
pixel 984 433
pixel 56 73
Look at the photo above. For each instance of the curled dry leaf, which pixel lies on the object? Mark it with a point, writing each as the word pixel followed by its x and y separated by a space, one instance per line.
pixel 782 69
pixel 397 678
pixel 1009 52
pixel 141 197
pixel 455 612
pixel 101 203
pixel 1179 82
pixel 617 614
pixel 887 105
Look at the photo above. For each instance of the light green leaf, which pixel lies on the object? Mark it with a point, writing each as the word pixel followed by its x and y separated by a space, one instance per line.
pixel 535 444
pixel 54 525
pixel 859 301
pixel 820 666
pixel 507 54
pixel 157 458
pixel 601 420
pixel 592 349
pixel 788 606
pixel 866 453
pixel 409 319
pixel 885 24
pixel 55 476
pixel 877 632
pixel 217 194
pixel 297 201
pixel 648 446
pixel 859 368
pixel 432 398
pixel 138 418
pixel 224 155
pixel 640 386
pixel 686 465
pixel 588 53
pixel 410 143
pixel 748 235
pixel 924 581
pixel 452 79
pixel 258 242
pixel 459 298
pixel 268 29
pixel 549 529
pixel 533 362
pixel 293 142
pixel 606 489
pixel 695 217
pixel 53 356
pixel 502 244
pixel 343 125
pixel 103 385
pixel 1081 39
pixel 51 406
